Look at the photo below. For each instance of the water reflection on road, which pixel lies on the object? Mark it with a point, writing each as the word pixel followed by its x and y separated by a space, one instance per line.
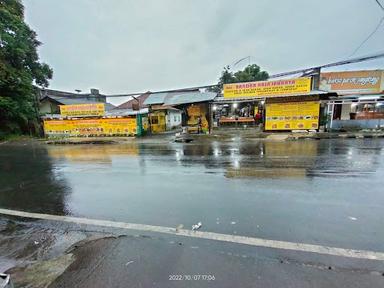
pixel 304 191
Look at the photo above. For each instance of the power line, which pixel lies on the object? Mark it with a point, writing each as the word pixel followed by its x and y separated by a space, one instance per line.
pixel 373 32
pixel 165 91
pixel 381 6
pixel 242 59
pixel 305 70
pixel 339 63
pixel 369 36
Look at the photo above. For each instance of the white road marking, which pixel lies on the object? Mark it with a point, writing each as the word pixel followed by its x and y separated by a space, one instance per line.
pixel 342 252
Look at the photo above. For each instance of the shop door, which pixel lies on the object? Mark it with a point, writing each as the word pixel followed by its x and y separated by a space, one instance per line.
pixel 158 122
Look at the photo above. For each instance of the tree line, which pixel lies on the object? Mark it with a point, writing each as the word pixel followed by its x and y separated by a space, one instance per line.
pixel 20 71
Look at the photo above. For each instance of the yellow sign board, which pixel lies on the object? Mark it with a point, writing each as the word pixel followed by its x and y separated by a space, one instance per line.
pixel 268 88
pixel 292 115
pixel 82 110
pixel 90 127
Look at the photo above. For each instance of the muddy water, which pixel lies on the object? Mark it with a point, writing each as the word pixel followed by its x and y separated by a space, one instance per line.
pixel 327 192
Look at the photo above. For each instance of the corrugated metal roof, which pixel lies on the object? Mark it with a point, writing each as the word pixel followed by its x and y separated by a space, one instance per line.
pixel 189 97
pixel 155 98
pixel 125 112
pixel 70 101
pixel 75 100
pixel 177 98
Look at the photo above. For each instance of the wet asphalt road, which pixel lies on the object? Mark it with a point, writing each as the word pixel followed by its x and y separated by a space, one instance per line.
pixel 326 192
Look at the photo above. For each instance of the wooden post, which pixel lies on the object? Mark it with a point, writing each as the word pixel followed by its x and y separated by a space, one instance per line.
pixel 210 122
pixel 149 120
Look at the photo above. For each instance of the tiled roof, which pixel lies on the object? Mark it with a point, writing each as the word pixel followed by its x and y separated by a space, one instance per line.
pixel 130 103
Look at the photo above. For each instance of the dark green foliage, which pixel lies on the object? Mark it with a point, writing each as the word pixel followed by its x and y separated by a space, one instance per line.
pixel 250 73
pixel 20 70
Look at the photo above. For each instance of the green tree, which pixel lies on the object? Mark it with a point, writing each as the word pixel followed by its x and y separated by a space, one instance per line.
pixel 250 73
pixel 20 70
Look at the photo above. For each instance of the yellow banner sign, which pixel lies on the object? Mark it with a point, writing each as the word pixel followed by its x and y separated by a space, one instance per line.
pixel 82 110
pixel 292 115
pixel 91 127
pixel 268 88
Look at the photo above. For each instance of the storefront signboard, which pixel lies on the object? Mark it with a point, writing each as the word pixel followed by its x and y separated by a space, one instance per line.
pixel 272 88
pixel 292 115
pixel 94 127
pixel 82 110
pixel 353 82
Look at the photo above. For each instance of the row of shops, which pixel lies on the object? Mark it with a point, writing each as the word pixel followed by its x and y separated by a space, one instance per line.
pixel 333 101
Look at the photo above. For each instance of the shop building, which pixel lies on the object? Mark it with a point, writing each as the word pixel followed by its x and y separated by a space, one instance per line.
pixel 164 118
pixel 50 100
pixel 360 100
pixel 192 110
pixel 276 105
pixel 235 112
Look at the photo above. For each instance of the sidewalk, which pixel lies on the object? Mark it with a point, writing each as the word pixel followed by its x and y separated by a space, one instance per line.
pixel 220 136
pixel 54 254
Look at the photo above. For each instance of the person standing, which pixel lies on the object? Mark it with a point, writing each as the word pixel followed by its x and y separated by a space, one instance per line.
pixel 199 122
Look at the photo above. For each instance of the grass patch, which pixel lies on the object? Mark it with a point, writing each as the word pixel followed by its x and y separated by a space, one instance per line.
pixel 13 137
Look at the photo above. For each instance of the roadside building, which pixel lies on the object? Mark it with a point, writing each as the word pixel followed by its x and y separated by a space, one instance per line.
pixel 73 115
pixel 280 105
pixel 193 110
pixel 50 100
pixel 164 118
pixel 360 101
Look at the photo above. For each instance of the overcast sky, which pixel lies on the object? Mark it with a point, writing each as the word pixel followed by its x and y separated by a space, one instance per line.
pixel 121 46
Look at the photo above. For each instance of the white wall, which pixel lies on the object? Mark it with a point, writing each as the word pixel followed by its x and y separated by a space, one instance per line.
pixel 345 110
pixel 46 107
pixel 173 119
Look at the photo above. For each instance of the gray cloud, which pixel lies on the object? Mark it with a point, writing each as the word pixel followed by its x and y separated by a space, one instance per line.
pixel 129 46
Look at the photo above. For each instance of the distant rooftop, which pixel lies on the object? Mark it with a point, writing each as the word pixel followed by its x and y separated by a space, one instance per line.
pixel 69 98
pixel 178 98
pixel 190 97
pixel 155 98
pixel 52 92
